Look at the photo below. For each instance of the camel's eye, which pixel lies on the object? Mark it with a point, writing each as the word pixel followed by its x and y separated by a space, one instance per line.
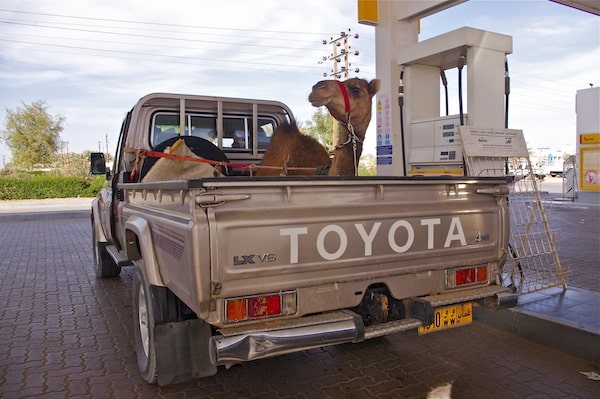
pixel 355 90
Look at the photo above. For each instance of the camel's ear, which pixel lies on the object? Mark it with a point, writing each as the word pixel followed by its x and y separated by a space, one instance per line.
pixel 374 86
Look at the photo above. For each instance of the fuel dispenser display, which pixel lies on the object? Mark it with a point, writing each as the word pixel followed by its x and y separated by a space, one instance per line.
pixel 435 147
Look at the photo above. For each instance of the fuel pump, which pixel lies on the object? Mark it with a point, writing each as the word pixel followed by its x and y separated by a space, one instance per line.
pixel 430 142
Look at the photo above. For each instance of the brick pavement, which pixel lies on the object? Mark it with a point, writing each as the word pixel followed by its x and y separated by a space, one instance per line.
pixel 578 243
pixel 65 334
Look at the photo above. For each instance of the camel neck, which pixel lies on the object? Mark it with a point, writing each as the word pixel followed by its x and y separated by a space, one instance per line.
pixel 344 159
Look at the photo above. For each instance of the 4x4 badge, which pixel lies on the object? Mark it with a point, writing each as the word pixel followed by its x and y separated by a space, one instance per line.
pixel 481 237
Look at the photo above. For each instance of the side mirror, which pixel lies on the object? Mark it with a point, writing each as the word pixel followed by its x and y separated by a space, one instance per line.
pixel 97 163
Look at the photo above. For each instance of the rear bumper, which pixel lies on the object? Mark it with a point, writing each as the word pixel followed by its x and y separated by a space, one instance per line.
pixel 274 338
pixel 296 335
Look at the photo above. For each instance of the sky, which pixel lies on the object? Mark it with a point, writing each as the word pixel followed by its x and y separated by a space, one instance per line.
pixel 90 61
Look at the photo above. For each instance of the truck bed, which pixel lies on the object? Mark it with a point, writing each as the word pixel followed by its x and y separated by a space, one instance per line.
pixel 327 238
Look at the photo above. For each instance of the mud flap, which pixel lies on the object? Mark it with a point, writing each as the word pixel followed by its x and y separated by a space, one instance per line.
pixel 422 310
pixel 182 351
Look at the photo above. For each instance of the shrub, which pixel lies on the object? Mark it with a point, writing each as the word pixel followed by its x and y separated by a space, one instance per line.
pixel 39 186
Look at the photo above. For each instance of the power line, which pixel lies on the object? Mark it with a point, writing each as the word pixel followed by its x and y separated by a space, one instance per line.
pixel 138 35
pixel 69 25
pixel 243 46
pixel 170 46
pixel 168 57
pixel 552 81
pixel 159 23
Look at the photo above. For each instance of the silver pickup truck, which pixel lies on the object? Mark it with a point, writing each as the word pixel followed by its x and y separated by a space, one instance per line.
pixel 234 268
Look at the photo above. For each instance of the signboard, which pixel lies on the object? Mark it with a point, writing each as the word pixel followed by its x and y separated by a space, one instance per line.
pixel 383 113
pixel 589 160
pixel 493 142
pixel 589 138
pixel 367 12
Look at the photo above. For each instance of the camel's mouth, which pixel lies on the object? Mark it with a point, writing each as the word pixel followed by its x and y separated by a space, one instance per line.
pixel 316 101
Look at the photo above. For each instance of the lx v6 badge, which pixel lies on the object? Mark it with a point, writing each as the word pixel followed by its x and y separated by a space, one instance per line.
pixel 250 259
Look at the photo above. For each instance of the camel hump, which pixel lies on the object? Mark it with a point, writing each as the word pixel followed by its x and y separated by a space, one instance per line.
pixel 290 149
pixel 289 127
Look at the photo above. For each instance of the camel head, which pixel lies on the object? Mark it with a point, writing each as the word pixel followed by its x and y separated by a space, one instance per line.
pixel 356 104
pixel 350 103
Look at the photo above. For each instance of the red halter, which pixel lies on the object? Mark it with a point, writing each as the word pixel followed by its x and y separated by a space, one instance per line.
pixel 352 137
pixel 346 97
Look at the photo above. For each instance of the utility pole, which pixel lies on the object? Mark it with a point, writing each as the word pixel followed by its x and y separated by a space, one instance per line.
pixel 337 71
pixel 341 57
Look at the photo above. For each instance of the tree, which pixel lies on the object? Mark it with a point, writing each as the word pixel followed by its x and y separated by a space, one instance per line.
pixel 320 127
pixel 32 134
pixel 367 165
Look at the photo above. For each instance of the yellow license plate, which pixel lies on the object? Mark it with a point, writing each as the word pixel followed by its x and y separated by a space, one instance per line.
pixel 450 317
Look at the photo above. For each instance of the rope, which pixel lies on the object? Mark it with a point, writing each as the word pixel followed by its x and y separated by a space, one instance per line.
pixel 140 154
pixel 352 138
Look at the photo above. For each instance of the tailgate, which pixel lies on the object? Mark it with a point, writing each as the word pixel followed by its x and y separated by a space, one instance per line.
pixel 276 235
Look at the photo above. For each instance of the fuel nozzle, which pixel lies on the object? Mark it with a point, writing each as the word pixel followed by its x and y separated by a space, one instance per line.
pixel 443 77
pixel 445 84
pixel 401 89
pixel 506 79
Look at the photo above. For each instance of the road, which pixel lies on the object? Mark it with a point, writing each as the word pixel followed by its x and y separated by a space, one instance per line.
pixel 63 333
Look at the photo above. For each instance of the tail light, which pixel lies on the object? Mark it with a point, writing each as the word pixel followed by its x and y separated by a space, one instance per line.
pixel 466 276
pixel 260 306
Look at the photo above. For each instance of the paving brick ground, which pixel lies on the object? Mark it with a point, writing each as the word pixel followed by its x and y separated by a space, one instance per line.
pixel 578 243
pixel 64 334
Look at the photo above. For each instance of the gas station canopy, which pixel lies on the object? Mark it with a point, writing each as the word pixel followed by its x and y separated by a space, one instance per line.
pixel 591 6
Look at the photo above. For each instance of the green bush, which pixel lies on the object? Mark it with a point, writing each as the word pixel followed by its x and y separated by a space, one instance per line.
pixel 40 186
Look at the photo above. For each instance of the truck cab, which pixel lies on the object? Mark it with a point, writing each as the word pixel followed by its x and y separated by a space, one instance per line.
pixel 240 128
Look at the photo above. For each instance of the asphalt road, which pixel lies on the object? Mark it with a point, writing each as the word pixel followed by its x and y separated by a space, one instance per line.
pixel 65 334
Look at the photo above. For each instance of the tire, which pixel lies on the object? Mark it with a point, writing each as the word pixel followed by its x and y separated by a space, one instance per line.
pixel 104 265
pixel 143 325
pixel 168 351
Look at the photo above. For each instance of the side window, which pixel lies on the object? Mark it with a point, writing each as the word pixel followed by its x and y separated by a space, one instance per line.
pixel 120 161
pixel 165 126
pixel 204 127
pixel 266 127
pixel 236 133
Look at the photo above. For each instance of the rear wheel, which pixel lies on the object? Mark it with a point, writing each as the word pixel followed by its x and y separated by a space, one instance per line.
pixel 143 326
pixel 104 265
pixel 172 345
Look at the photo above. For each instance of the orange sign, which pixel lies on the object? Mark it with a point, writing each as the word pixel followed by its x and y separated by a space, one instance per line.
pixel 589 138
pixel 367 12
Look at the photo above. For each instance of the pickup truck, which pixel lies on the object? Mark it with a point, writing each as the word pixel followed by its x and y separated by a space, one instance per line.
pixel 232 267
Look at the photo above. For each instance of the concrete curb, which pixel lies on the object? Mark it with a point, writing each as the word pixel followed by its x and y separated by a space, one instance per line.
pixel 544 329
pixel 49 215
pixel 44 209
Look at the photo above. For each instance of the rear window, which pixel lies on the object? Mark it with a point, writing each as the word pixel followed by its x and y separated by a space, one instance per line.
pixel 237 130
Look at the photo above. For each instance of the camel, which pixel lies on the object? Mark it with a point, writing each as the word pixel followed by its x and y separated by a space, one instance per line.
pixel 167 169
pixel 291 152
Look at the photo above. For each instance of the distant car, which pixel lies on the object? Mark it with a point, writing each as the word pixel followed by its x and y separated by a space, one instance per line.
pixel 520 170
pixel 539 173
